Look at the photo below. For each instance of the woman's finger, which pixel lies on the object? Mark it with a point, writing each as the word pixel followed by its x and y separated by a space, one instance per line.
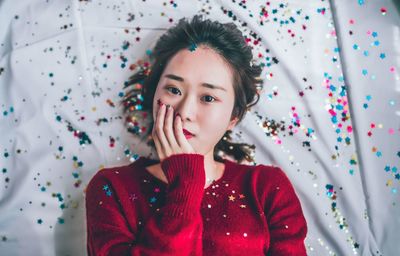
pixel 157 143
pixel 182 141
pixel 159 129
pixel 169 132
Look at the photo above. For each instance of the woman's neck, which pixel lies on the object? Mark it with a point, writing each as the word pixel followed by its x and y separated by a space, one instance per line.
pixel 214 169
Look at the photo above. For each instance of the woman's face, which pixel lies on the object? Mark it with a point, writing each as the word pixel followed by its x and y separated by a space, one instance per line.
pixel 199 86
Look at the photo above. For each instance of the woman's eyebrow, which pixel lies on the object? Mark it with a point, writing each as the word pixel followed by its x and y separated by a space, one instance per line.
pixel 180 79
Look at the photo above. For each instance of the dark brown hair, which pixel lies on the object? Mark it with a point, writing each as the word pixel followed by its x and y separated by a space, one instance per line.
pixel 228 41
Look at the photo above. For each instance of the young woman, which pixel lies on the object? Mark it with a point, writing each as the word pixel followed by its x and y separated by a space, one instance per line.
pixel 191 201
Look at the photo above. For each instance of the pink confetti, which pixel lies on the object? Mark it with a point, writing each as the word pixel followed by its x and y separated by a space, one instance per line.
pixel 349 129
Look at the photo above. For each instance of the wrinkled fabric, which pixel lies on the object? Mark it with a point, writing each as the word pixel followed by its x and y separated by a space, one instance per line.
pixel 328 113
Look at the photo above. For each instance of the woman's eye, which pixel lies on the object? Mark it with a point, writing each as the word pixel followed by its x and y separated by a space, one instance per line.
pixel 174 90
pixel 209 98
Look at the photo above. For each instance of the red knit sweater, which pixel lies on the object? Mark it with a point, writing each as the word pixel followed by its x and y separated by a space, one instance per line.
pixel 250 210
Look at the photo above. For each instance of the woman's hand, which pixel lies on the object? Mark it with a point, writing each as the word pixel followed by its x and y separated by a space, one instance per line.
pixel 168 134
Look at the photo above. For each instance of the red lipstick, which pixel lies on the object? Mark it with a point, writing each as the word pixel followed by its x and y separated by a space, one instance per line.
pixel 187 134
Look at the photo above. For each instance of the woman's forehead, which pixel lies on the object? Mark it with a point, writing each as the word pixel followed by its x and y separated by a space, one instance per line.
pixel 199 66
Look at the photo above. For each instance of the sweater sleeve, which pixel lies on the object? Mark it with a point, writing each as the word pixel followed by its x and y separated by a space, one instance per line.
pixel 287 225
pixel 176 229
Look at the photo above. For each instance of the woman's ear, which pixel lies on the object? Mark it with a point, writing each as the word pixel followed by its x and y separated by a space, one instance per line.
pixel 232 123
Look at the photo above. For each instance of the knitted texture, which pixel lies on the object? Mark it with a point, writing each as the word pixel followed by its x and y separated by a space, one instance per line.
pixel 250 210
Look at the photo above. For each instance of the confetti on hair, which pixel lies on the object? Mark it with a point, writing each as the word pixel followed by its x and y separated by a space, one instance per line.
pixel 192 47
pixel 136 117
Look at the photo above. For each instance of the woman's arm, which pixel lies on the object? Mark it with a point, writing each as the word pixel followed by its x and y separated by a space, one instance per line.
pixel 175 230
pixel 286 222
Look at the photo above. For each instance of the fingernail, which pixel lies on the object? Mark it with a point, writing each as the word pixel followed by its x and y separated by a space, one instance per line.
pixel 168 105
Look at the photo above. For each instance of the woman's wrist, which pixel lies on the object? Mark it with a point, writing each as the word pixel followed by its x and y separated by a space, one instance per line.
pixel 184 169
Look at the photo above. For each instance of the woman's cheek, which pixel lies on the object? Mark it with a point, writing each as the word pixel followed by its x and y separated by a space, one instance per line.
pixel 212 120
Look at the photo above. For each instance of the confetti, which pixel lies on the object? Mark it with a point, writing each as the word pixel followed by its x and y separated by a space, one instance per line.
pixel 88 94
pixel 192 47
pixel 339 219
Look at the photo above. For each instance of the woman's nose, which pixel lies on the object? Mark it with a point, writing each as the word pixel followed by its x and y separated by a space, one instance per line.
pixel 187 109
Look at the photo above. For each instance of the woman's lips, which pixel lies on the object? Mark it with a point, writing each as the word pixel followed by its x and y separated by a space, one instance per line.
pixel 187 134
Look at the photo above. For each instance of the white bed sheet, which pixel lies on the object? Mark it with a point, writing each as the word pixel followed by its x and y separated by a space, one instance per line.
pixel 331 93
